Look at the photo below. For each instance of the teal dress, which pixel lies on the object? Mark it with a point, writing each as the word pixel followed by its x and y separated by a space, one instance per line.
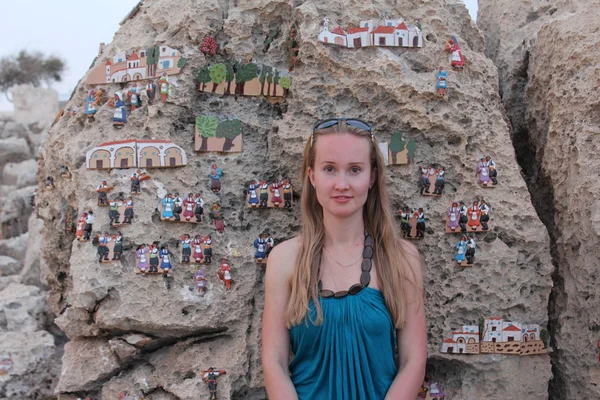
pixel 350 356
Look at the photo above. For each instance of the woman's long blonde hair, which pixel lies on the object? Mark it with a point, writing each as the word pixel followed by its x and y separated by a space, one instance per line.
pixel 391 264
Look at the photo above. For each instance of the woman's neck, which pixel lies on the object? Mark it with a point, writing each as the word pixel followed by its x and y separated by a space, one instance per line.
pixel 340 232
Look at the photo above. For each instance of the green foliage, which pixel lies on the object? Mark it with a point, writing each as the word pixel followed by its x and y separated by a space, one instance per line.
pixel 545 337
pixel 263 74
pixel 269 75
pixel 276 77
pixel 29 68
pixel 411 146
pixel 203 75
pixel 152 55
pixel 481 322
pixel 397 144
pixel 229 129
pixel 229 74
pixel 217 73
pixel 181 62
pixel 249 72
pixel 285 82
pixel 206 126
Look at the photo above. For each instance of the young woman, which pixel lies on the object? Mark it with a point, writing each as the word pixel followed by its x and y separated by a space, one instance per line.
pixel 347 293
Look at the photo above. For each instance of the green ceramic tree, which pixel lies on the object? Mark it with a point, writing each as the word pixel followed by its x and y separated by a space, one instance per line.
pixel 206 127
pixel 229 130
pixel 397 145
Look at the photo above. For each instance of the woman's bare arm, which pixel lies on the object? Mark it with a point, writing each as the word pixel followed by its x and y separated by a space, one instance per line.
pixel 275 334
pixel 412 339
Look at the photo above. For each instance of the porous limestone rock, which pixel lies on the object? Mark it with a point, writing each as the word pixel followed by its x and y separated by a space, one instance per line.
pixel 392 88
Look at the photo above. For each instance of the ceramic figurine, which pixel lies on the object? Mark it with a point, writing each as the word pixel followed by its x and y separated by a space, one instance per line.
pixel 186 248
pixel 103 247
pixel 486 172
pixel 135 183
pixel 474 213
pixel 118 246
pixel 287 193
pixel 208 249
pixel 215 178
pixel 209 46
pixel 252 195
pixel 275 193
pixel 461 250
pixel 200 281
pixel 120 115
pixel 89 224
pixel 32 197
pixel 224 274
pixel 90 105
pixel 484 217
pixel 264 193
pixel 270 243
pixel 133 97
pixel 128 214
pixel 425 183
pixel 64 171
pixel 197 249
pixel 470 255
pixel 217 217
pixel 165 258
pixel 463 220
pixel 154 257
pixel 442 82
pixel 150 91
pixel 453 217
pixel 168 205
pixel 210 378
pixel 49 183
pixel 260 244
pixel 163 87
pixel 439 181
pixel 113 211
pixel 405 226
pixel 291 48
pixel 189 204
pixel 420 223
pixel 80 227
pixel 456 59
pixel 199 207
pixel 141 255
pixel 177 207
pixel 493 176
pixel 103 190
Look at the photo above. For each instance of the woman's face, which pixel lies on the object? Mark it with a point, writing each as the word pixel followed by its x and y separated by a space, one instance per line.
pixel 342 173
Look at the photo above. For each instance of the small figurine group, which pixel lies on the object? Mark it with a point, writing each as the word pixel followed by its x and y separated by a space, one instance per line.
pixel 475 218
pixel 210 378
pixel 197 250
pixel 118 205
pixel 431 390
pixel 487 176
pixel 432 178
pixel 173 207
pixel 412 220
pixel 149 258
pixel 262 194
pixel 85 226
pixel 105 242
pixel 263 244
pixel 465 251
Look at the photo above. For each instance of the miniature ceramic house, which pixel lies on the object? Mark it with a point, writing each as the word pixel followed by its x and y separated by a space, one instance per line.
pixel 506 337
pixel 244 80
pixel 137 65
pixel 465 341
pixel 277 194
pixel 136 153
pixel 487 176
pixel 212 134
pixel 432 180
pixel 463 218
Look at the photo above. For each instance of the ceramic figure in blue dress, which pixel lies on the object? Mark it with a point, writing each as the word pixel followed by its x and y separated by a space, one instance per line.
pixel 461 250
pixel 252 194
pixel 442 84
pixel 120 115
pixel 90 105
pixel 168 206
pixel 165 258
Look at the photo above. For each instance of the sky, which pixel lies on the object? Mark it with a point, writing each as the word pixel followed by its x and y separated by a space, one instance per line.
pixel 71 29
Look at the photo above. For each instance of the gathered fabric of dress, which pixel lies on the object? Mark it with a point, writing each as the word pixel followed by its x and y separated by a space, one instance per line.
pixel 350 355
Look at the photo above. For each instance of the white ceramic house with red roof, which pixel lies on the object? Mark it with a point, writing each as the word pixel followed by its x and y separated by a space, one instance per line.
pixel 359 37
pixel 136 154
pixel 336 37
pixel 492 331
pixel 465 341
pixel 511 332
pixel 384 36
pixel 530 333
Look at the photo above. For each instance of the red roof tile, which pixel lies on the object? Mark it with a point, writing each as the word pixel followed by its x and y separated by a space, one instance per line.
pixel 512 328
pixel 449 341
pixel 153 141
pixel 495 318
pixel 132 141
pixel 134 56
pixel 385 29
pixel 338 31
pixel 357 30
pixel 402 26
pixel 108 62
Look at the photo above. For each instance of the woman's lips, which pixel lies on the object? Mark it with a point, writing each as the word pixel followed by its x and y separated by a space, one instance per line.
pixel 342 199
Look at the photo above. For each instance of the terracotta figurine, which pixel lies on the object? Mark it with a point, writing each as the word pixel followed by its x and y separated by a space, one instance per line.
pixel 135 183
pixel 439 181
pixel 405 226
pixel 90 105
pixel 49 182
pixel 275 193
pixel 425 183
pixel 197 251
pixel 484 217
pixel 199 207
pixel 89 223
pixel 474 213
pixel 470 255
pixel 461 250
pixel 420 223
pixel 442 84
pixel 210 378
pixel 186 248
pixel 177 206
pixel 118 249
pixel 103 247
pixel 113 211
pixel 453 217
pixel 270 243
pixel 252 195
pixel 215 178
pixel 153 255
pixel 165 258
pixel 142 258
pixel 200 281
pixel 120 115
pixel 128 214
pixel 264 193
pixel 80 227
pixel 150 91
pixel 451 46
pixel 64 171
pixel 287 193
pixel 224 274
pixel 133 97
pixel 189 204
pixel 163 87
pixel 208 249
pixel 464 216
pixel 260 244
pixel 167 204
pixel 103 190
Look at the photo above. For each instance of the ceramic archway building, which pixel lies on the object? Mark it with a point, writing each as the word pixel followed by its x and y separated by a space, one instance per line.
pixel 136 154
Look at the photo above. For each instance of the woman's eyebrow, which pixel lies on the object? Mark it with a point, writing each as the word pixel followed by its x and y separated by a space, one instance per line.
pixel 350 163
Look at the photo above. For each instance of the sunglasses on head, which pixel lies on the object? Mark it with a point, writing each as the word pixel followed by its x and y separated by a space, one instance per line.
pixel 353 122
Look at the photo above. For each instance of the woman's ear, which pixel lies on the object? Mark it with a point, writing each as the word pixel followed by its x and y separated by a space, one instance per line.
pixel 311 175
pixel 373 177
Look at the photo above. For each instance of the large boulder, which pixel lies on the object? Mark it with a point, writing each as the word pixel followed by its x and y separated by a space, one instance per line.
pixel 21 308
pixel 14 150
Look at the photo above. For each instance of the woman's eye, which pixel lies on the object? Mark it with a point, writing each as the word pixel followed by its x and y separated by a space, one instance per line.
pixel 355 170
pixel 328 168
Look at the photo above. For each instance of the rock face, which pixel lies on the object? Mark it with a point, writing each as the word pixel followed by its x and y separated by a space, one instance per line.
pixel 550 73
pixel 148 336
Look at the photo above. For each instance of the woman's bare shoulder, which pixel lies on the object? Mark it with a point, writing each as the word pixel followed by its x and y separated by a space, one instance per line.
pixel 283 256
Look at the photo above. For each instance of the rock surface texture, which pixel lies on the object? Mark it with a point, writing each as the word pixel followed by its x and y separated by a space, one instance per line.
pixel 153 337
pixel 548 57
pixel 28 335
